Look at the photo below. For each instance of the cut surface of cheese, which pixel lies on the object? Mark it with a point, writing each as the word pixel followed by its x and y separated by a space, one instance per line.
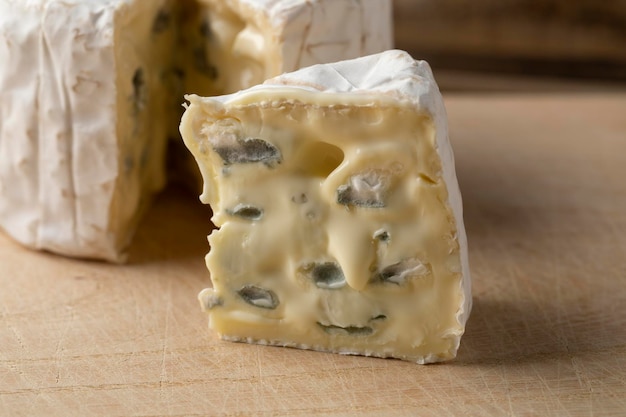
pixel 90 91
pixel 338 213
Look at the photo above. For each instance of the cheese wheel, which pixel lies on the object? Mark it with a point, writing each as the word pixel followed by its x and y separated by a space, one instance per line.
pixel 90 91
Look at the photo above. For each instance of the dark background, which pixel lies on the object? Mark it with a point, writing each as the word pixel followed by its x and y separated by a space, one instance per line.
pixel 470 41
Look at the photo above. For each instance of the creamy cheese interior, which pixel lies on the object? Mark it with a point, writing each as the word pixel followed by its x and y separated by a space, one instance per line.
pixel 334 231
pixel 226 46
pixel 237 47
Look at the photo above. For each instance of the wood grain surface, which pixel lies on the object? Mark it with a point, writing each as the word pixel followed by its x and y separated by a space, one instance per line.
pixel 544 185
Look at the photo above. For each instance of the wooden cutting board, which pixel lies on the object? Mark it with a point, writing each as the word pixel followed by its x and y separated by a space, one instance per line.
pixel 544 184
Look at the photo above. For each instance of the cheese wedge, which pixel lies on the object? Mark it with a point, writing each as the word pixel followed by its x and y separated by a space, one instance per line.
pixel 90 91
pixel 338 214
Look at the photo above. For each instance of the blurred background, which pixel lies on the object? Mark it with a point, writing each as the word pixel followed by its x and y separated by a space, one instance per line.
pixel 517 44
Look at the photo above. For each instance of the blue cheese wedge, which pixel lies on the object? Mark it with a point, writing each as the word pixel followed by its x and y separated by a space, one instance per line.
pixel 91 90
pixel 338 213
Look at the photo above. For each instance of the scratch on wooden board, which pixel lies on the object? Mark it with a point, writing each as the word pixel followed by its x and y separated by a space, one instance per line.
pixel 16 365
pixel 58 351
pixel 18 337
pixel 258 363
pixel 164 347
pixel 342 380
pixel 486 386
pixel 553 395
pixel 581 375
pixel 508 398
pixel 559 273
pixel 432 395
pixel 163 373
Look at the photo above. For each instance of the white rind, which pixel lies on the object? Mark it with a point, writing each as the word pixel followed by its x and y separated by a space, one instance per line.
pixel 421 360
pixel 313 32
pixel 57 147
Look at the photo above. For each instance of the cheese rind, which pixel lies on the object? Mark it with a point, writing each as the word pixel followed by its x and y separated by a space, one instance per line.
pixel 358 244
pixel 90 91
pixel 78 158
